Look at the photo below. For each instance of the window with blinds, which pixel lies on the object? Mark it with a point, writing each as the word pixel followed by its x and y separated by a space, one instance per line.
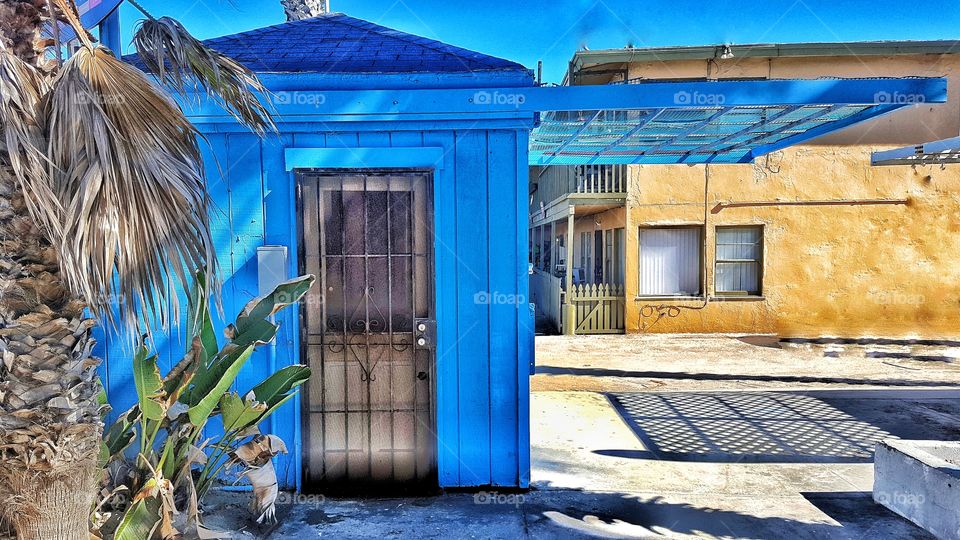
pixel 739 261
pixel 670 261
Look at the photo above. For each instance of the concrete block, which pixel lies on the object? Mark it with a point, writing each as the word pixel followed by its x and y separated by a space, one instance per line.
pixel 920 480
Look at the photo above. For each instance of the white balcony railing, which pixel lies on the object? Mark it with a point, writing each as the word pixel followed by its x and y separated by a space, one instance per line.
pixel 557 181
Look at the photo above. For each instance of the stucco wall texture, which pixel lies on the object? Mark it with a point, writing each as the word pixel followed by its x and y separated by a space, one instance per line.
pixel 846 270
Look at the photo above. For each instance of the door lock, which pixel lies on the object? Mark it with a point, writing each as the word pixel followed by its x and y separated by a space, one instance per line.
pixel 425 333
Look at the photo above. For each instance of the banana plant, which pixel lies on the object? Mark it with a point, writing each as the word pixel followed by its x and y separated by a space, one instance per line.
pixel 172 469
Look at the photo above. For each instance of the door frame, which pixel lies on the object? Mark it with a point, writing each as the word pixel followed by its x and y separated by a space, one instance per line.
pixel 429 173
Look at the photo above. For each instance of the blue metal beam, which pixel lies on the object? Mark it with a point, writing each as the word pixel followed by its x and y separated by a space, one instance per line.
pixel 705 94
pixel 525 101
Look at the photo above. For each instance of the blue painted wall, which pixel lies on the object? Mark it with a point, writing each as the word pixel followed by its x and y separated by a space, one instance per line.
pixel 480 192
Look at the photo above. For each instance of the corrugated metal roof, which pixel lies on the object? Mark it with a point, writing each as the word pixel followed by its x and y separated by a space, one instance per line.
pixel 337 43
pixel 717 122
pixel 683 135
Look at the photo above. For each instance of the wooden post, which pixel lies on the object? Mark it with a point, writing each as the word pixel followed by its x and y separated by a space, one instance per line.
pixel 570 321
pixel 553 249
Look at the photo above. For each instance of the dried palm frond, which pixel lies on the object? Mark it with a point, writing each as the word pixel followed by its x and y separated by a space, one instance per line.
pixel 181 61
pixel 127 169
pixel 22 89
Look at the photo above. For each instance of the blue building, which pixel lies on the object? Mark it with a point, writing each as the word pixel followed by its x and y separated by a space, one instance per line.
pixel 399 178
pixel 399 216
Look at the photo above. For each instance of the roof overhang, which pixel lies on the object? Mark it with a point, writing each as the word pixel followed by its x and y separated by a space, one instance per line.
pixel 931 153
pixel 763 50
pixel 715 122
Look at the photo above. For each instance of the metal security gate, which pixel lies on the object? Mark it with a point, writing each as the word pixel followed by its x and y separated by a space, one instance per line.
pixel 369 334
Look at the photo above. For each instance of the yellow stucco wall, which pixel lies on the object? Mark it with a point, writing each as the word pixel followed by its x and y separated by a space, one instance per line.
pixel 846 270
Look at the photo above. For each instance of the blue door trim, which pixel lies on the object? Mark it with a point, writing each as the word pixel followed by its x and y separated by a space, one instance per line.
pixel 364 158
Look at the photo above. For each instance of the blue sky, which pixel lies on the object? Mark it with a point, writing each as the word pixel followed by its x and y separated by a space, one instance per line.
pixel 530 30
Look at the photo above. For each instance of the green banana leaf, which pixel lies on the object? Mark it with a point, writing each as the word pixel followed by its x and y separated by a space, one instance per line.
pixel 199 323
pixel 238 412
pixel 121 434
pixel 175 384
pixel 286 293
pixel 257 333
pixel 276 387
pixel 140 521
pixel 149 384
pixel 209 386
pixel 276 406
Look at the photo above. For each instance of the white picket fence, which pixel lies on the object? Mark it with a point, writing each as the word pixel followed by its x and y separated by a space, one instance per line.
pixel 598 308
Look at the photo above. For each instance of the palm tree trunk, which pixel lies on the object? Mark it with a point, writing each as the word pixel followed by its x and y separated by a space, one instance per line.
pixel 50 425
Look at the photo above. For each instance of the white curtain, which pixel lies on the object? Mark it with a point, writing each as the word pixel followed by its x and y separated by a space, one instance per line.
pixel 670 262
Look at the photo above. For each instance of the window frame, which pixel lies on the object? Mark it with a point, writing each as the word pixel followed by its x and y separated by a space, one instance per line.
pixel 759 261
pixel 701 263
pixel 619 255
pixel 586 257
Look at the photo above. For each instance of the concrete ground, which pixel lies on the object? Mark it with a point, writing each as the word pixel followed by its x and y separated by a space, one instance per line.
pixel 732 436
pixel 662 362
pixel 679 436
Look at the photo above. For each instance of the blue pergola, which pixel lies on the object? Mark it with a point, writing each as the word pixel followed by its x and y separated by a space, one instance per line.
pixel 652 123
pixel 718 122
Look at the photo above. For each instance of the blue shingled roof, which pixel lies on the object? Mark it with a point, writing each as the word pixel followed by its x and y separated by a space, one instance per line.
pixel 336 43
